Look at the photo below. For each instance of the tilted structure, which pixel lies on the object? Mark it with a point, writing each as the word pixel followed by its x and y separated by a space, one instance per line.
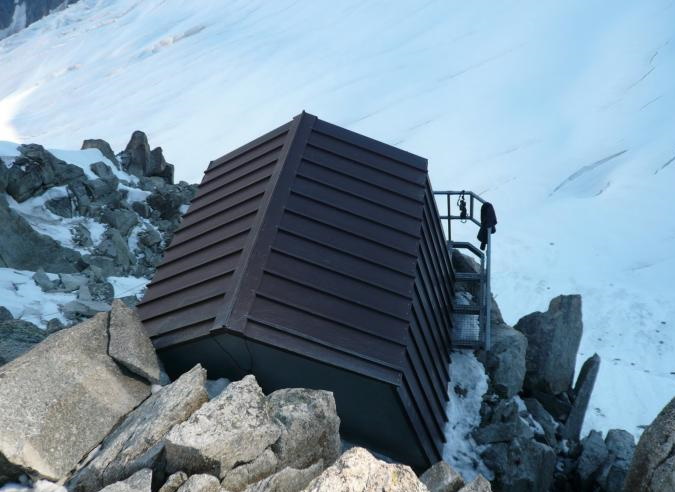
pixel 314 257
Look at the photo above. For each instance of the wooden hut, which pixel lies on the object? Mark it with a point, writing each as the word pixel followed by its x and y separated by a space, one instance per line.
pixel 314 257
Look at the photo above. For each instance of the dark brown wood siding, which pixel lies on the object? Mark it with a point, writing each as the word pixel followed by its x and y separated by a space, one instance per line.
pixel 187 292
pixel 325 245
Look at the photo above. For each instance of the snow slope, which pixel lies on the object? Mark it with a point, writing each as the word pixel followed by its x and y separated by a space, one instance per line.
pixel 561 114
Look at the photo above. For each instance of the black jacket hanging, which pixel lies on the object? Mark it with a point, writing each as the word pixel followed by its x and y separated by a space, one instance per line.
pixel 488 221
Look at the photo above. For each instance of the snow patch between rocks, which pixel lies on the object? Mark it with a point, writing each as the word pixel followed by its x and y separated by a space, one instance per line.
pixel 463 410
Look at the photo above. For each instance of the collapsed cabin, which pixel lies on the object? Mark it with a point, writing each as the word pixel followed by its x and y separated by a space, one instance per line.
pixel 314 257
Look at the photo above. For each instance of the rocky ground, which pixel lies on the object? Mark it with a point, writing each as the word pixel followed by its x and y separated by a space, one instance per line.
pixel 90 409
pixel 76 235
pixel 533 411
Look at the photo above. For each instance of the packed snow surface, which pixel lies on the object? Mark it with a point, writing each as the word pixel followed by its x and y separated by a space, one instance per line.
pixel 561 114
pixel 466 389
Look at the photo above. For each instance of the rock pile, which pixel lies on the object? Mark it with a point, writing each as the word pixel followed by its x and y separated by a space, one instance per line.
pixel 83 408
pixel 118 216
pixel 532 414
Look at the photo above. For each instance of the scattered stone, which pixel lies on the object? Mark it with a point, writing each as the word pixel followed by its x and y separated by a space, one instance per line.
pixel 79 309
pixel 17 337
pixel 122 220
pixel 544 419
pixel 593 455
pixel 61 399
pixel 137 442
pixel 107 267
pixel 311 427
pixel 101 291
pixel 54 325
pixel 357 469
pixel 201 483
pixel 61 206
pixel 442 478
pixel 114 246
pixel 43 281
pixel 479 484
pixel 653 465
pixel 71 282
pixel 553 341
pixel 234 428
pixel 240 476
pixel 174 482
pixel 130 345
pixel 505 362
pixel 103 147
pixel 287 480
pixel 582 391
pixel 524 465
pixel 102 170
pixel 141 481
pixel 81 236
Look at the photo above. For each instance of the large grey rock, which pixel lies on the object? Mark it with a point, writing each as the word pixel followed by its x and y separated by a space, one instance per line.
pixel 553 339
pixel 18 337
pixel 137 442
pixel 37 170
pixel 505 363
pixel 116 247
pixel 523 465
pixel 234 428
pixel 141 481
pixel 103 147
pixel 82 308
pixel 121 219
pixel 240 476
pixel 43 281
pixel 357 469
pixel 544 419
pixel 621 446
pixel 201 483
pixel 102 170
pixel 503 432
pixel 59 400
pixel 287 480
pixel 174 481
pixel 442 478
pixel 593 455
pixel 479 484
pixel 24 249
pixel 582 396
pixel 129 344
pixel 653 465
pixel 311 427
pixel 139 160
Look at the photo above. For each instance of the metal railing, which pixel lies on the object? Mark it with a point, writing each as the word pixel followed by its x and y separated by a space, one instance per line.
pixel 472 325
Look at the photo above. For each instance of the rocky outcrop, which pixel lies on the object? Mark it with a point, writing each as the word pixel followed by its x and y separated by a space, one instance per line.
pixel 24 249
pixel 234 428
pixel 653 466
pixel 141 481
pixel 442 478
pixel 505 362
pixel 60 399
pixel 137 442
pixel 582 396
pixel 129 345
pixel 358 470
pixel 310 427
pixel 103 147
pixel 139 160
pixel 553 339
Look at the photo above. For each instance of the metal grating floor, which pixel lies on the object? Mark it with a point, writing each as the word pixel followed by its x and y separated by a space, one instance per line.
pixel 466 329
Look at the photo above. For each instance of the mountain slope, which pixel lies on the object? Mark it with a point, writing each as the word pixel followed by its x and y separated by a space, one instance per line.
pixel 561 115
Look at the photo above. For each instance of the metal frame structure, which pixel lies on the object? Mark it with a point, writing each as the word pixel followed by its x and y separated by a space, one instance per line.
pixel 483 309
